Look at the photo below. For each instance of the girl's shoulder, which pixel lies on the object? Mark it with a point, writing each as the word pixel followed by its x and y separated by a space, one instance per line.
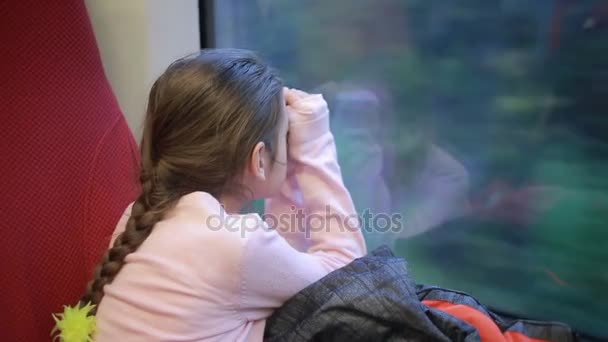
pixel 201 219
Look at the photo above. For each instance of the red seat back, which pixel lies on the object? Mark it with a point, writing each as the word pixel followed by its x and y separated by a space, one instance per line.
pixel 68 165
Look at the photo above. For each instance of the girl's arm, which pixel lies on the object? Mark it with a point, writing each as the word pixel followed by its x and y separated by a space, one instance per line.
pixel 314 181
pixel 273 270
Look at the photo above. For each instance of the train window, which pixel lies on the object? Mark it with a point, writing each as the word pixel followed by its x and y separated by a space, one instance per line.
pixel 481 124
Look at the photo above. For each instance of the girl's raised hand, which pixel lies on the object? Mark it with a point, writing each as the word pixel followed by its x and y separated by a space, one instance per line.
pixel 308 114
pixel 293 95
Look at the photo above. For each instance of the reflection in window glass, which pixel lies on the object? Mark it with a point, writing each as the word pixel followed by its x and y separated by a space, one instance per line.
pixel 482 122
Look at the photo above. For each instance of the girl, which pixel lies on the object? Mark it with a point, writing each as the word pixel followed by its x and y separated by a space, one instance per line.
pixel 184 265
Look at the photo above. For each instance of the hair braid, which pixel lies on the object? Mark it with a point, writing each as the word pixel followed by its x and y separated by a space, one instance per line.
pixel 147 210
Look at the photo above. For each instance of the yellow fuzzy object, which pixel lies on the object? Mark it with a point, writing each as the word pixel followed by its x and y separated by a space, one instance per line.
pixel 74 324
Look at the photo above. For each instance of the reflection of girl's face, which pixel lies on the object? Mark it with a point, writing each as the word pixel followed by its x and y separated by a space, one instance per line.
pixel 357 109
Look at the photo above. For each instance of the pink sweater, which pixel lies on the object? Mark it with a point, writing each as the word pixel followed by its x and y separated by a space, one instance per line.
pixel 195 280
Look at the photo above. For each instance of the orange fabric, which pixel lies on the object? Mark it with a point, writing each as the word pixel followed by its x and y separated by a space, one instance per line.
pixel 514 336
pixel 488 330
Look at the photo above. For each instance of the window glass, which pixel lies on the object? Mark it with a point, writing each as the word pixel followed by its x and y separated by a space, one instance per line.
pixel 483 123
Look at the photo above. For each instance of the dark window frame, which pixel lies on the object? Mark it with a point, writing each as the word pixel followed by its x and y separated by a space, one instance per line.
pixel 206 11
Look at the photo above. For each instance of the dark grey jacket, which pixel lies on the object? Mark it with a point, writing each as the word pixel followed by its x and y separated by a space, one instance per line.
pixel 375 299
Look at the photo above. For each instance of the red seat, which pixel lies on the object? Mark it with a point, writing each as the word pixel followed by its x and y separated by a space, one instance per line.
pixel 68 162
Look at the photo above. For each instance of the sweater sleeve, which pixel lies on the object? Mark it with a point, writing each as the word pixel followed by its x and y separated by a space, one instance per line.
pixel 313 173
pixel 324 217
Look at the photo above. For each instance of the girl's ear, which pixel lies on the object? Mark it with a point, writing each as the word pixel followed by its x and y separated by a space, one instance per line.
pixel 256 164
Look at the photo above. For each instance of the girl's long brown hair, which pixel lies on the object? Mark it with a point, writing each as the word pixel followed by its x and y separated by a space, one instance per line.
pixel 205 114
